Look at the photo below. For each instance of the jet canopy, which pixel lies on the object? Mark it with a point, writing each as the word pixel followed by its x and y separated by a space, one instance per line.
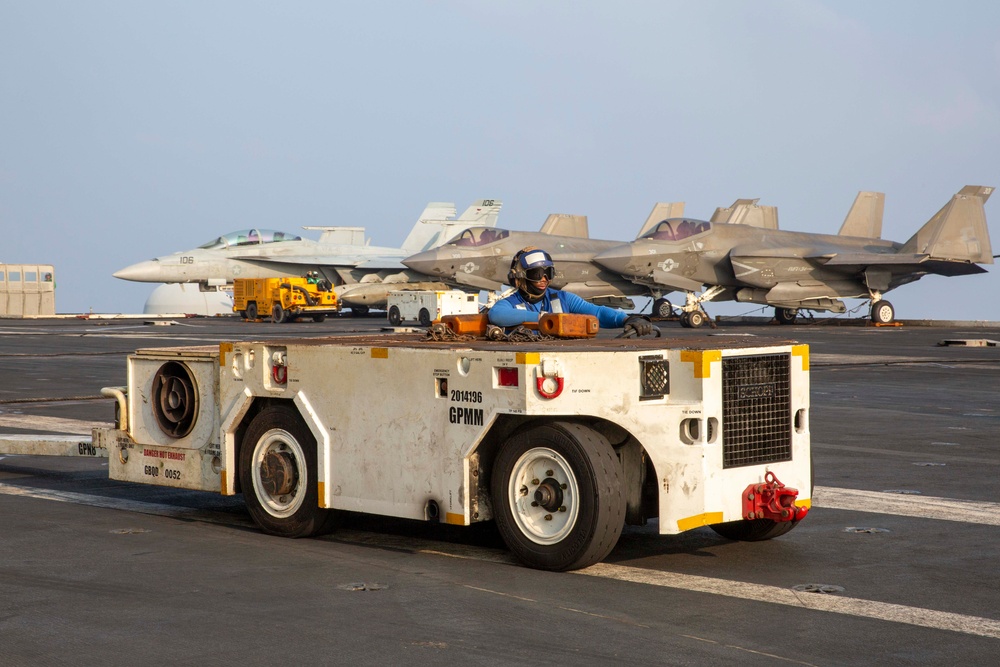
pixel 677 229
pixel 246 237
pixel 477 236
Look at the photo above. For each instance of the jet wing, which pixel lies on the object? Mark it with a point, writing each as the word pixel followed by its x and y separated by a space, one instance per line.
pixel 874 259
pixel 352 261
pixel 829 256
pixel 380 263
pixel 870 261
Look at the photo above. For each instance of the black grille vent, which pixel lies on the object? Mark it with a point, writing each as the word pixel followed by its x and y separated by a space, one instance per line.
pixel 654 377
pixel 756 410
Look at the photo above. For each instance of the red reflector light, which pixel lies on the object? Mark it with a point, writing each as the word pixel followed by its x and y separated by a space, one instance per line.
pixel 506 377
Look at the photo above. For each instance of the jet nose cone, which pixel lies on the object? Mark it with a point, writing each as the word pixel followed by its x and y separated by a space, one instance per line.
pixel 618 259
pixel 428 262
pixel 143 272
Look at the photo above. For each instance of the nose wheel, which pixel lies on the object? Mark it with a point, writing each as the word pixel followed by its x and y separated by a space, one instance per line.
pixel 693 314
pixel 882 312
pixel 693 320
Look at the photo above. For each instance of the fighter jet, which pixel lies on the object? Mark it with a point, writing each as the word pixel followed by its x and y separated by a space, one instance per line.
pixel 363 274
pixel 798 270
pixel 479 258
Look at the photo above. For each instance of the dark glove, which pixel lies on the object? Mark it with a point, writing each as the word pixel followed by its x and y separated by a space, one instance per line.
pixel 639 324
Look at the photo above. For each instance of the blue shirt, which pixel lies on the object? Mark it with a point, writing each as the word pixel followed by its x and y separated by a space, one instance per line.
pixel 514 310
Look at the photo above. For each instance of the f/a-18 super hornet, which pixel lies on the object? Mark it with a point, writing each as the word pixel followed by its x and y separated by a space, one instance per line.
pixel 363 274
pixel 479 258
pixel 798 270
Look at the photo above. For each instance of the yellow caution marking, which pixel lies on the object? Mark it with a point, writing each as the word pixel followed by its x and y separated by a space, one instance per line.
pixel 802 351
pixel 322 493
pixel 805 502
pixel 454 519
pixel 527 358
pixel 225 349
pixel 699 520
pixel 225 482
pixel 702 360
pixel 380 353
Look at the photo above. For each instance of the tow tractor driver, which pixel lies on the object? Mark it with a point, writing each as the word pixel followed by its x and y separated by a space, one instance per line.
pixel 531 271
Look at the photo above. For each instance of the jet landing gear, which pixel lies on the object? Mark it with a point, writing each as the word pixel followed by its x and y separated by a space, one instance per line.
pixel 695 319
pixel 883 312
pixel 662 308
pixel 693 315
pixel 786 315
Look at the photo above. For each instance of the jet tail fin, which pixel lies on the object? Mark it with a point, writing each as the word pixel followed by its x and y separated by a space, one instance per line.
pixel 747 212
pixel 865 217
pixel 437 223
pixel 563 224
pixel 438 210
pixel 341 235
pixel 958 231
pixel 483 213
pixel 662 211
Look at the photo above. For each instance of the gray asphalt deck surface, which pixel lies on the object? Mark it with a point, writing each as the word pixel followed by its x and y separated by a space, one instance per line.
pixel 904 537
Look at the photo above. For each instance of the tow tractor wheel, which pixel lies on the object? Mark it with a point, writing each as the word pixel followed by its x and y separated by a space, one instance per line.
pixel 695 319
pixel 424 317
pixel 395 319
pixel 278 475
pixel 319 317
pixel 786 315
pixel 883 312
pixel 662 308
pixel 278 314
pixel 557 496
pixel 753 530
pixel 252 311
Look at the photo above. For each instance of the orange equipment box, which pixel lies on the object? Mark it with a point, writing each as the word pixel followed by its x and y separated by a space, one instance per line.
pixel 568 325
pixel 467 324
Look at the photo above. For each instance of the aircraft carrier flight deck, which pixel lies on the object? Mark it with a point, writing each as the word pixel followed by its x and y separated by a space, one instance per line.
pixel 895 564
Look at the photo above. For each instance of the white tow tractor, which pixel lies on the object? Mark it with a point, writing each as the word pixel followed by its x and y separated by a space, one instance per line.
pixel 425 306
pixel 561 442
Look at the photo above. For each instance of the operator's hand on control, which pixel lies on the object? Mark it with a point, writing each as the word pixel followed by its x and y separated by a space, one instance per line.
pixel 637 325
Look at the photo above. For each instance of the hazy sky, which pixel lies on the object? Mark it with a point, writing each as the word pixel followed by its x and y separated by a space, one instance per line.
pixel 133 129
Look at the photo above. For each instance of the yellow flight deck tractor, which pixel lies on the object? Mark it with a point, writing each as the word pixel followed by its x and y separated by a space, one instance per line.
pixel 284 299
pixel 561 441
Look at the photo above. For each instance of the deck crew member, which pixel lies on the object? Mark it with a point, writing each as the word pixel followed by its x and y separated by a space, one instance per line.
pixel 531 271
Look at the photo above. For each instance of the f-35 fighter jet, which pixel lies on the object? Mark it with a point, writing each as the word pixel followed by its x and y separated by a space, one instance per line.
pixel 798 270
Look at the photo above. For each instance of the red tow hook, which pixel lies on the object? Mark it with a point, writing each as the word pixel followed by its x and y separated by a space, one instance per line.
pixel 772 500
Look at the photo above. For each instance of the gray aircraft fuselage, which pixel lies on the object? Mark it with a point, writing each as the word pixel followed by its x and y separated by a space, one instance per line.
pixel 216 268
pixel 771 267
pixel 222 263
pixel 480 257
pixel 362 274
